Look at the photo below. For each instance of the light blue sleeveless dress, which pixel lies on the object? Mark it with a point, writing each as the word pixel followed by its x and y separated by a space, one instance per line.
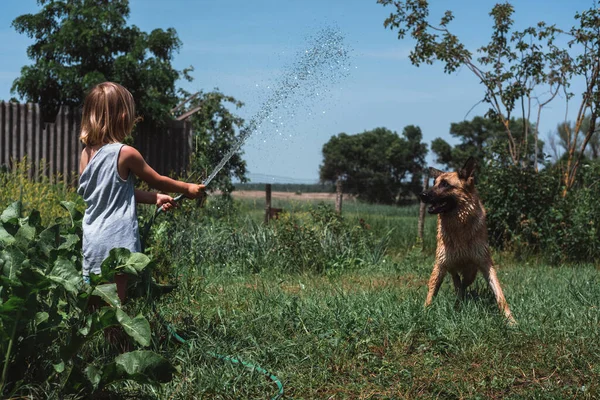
pixel 110 219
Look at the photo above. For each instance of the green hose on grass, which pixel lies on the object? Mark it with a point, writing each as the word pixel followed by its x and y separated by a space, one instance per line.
pixel 173 332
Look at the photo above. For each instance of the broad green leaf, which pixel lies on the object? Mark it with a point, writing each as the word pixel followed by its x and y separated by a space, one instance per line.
pixel 138 328
pixel 11 214
pixel 61 309
pixel 69 241
pixel 146 363
pixel 13 259
pixel 5 237
pixel 60 367
pixel 25 236
pixel 47 240
pixel 65 274
pixel 12 305
pixel 111 373
pixel 73 212
pixel 41 317
pixel 108 293
pixel 136 262
pixel 94 374
pixel 116 257
pixel 123 260
pixel 95 279
pixel 141 366
pixel 107 317
pixel 98 321
pixel 33 277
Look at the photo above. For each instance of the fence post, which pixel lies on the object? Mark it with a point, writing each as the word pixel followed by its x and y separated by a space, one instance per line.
pixel 339 193
pixel 422 208
pixel 267 203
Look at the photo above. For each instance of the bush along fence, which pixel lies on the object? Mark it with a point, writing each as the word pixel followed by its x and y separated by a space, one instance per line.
pixel 53 149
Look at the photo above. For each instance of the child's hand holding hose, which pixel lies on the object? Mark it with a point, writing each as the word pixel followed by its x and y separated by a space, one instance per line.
pixel 165 202
pixel 195 191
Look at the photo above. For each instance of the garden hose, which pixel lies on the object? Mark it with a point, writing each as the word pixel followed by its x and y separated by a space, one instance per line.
pixel 173 332
pixel 232 360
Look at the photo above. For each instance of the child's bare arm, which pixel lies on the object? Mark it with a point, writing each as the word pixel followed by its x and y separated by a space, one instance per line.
pixel 144 197
pixel 131 160
pixel 160 200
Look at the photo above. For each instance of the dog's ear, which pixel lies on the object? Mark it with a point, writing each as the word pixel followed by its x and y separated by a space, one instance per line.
pixel 434 173
pixel 468 170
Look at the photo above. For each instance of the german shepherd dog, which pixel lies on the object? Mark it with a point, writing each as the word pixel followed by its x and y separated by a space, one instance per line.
pixel 462 245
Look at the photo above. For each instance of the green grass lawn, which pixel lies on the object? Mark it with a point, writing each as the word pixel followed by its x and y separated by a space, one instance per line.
pixel 334 309
pixel 360 331
pixel 365 334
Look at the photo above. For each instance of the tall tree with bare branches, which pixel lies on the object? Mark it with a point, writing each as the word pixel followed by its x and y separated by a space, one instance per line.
pixel 514 67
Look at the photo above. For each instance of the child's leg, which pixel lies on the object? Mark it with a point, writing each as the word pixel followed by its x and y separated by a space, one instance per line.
pixel 121 281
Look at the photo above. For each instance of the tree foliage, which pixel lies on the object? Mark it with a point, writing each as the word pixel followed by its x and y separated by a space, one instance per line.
pixel 80 43
pixel 377 165
pixel 482 138
pixel 215 132
pixel 513 66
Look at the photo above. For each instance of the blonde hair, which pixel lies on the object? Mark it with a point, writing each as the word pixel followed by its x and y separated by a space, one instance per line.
pixel 108 114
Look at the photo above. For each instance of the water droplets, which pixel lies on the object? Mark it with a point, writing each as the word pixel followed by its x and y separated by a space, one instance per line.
pixel 324 63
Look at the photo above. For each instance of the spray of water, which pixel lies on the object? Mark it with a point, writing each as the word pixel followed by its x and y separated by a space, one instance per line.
pixel 324 62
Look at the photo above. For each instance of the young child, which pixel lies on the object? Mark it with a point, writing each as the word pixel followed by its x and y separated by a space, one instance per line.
pixel 106 179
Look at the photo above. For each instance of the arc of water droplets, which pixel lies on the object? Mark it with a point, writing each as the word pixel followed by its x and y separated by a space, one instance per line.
pixel 324 62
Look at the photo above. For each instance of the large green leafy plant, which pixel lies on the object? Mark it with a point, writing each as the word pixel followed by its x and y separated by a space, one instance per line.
pixel 45 314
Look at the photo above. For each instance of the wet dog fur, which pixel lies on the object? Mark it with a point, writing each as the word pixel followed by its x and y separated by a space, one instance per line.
pixel 462 245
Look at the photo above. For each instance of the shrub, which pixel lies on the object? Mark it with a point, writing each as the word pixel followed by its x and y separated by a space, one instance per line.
pixel 517 201
pixel 318 241
pixel 527 213
pixel 322 241
pixel 44 195
pixel 570 230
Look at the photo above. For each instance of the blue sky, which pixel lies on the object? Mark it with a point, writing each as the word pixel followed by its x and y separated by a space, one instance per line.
pixel 244 47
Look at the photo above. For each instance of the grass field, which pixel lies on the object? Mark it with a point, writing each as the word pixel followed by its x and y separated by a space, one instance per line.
pixel 362 332
pixel 382 219
pixel 366 334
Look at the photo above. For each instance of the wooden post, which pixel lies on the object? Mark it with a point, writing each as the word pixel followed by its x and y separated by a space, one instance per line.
pixel 267 203
pixel 422 209
pixel 338 195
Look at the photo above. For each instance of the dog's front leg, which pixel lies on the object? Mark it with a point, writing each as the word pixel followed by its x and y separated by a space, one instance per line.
pixel 489 272
pixel 458 287
pixel 435 281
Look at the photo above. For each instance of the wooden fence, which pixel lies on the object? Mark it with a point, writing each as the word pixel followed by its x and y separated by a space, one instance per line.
pixel 55 148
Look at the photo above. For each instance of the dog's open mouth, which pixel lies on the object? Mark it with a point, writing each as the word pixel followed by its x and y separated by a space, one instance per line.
pixel 441 205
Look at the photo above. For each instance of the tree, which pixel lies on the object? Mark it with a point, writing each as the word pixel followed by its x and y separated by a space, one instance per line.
pixel 377 165
pixel 473 135
pixel 214 135
pixel 567 140
pixel 512 65
pixel 481 138
pixel 79 43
